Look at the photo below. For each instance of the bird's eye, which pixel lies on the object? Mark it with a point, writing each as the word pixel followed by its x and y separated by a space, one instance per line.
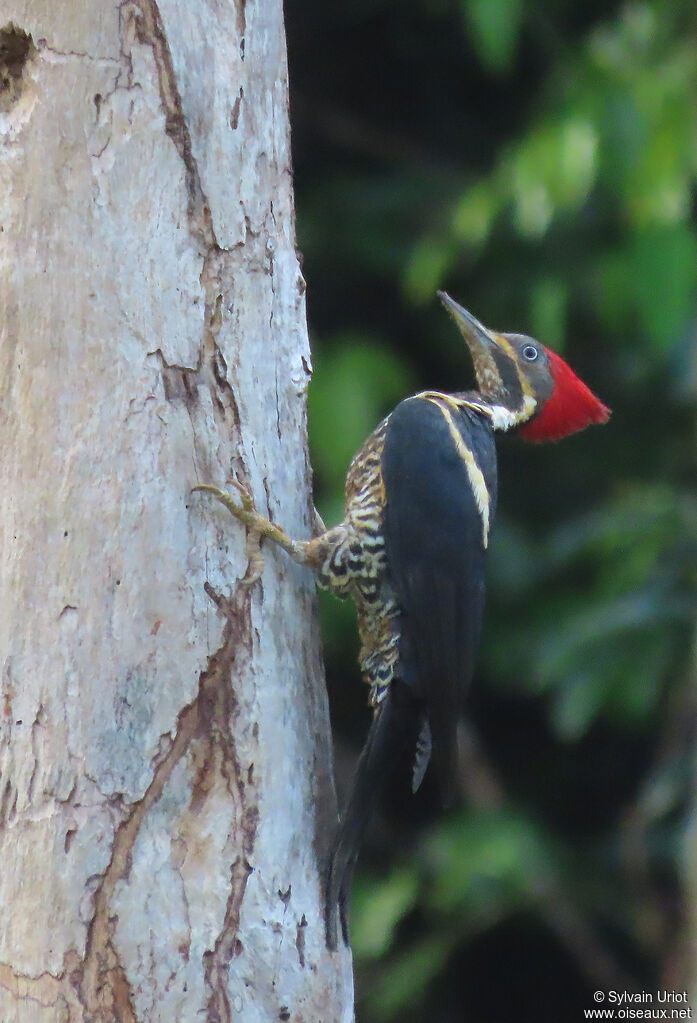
pixel 530 353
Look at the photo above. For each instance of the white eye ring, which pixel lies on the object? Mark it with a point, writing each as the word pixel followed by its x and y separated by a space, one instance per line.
pixel 530 353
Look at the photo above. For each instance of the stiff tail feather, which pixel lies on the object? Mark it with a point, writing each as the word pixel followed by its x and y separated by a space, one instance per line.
pixel 396 726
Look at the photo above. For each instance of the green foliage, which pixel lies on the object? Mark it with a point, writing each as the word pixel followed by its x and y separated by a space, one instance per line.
pixel 476 868
pixel 663 270
pixel 612 653
pixel 408 977
pixel 495 27
pixel 378 909
pixel 481 859
pixel 360 380
pixel 540 162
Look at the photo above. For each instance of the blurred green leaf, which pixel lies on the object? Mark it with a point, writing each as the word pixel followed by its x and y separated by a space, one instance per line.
pixel 664 272
pixel 356 382
pixel 407 977
pixel 428 264
pixel 494 26
pixel 482 855
pixel 607 647
pixel 553 168
pixel 577 704
pixel 548 309
pixel 474 214
pixel 377 908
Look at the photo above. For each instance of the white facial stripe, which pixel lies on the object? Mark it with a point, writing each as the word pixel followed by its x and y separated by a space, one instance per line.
pixel 506 346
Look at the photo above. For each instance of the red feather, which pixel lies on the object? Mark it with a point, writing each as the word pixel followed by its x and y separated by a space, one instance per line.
pixel 571 406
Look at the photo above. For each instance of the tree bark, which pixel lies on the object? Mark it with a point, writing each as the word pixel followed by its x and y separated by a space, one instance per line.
pixel 166 797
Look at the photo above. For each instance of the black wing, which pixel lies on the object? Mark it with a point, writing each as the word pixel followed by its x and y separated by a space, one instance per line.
pixel 439 469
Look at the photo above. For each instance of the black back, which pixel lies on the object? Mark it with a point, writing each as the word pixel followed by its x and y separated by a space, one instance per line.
pixel 436 555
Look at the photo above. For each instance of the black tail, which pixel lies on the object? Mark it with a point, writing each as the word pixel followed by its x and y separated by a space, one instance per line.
pixel 396 725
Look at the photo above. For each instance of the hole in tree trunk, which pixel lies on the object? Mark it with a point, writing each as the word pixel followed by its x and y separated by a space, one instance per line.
pixel 16 48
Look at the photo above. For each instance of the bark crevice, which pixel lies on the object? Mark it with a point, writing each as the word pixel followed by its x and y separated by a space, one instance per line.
pixel 150 31
pixel 99 977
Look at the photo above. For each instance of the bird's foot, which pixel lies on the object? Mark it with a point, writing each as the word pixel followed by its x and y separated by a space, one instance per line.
pixel 259 527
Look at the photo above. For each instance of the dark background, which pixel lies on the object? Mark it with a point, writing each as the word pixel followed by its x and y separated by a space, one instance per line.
pixel 538 161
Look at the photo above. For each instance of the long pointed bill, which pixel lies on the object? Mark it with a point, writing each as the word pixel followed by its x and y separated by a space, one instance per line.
pixel 481 343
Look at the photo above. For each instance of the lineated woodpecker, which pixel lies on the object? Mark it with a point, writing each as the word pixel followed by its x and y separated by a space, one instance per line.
pixel 420 501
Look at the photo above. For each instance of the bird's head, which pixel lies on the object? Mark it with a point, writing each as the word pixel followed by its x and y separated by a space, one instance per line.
pixel 526 386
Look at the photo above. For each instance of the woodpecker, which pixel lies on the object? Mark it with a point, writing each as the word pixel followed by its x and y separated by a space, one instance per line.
pixel 420 500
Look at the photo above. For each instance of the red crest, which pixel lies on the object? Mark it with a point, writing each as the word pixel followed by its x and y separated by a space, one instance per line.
pixel 571 406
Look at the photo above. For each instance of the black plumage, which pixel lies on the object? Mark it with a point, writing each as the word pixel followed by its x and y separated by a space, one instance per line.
pixel 395 728
pixel 433 448
pixel 436 537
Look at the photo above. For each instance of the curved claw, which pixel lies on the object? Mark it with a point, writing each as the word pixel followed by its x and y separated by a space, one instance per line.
pixel 244 492
pixel 238 510
pixel 255 562
pixel 318 523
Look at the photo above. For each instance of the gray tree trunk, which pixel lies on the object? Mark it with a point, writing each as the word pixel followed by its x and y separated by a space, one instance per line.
pixel 165 785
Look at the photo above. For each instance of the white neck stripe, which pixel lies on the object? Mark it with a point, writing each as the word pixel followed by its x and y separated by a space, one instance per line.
pixel 503 418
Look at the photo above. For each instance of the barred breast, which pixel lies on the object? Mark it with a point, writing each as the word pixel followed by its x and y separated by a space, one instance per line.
pixel 355 565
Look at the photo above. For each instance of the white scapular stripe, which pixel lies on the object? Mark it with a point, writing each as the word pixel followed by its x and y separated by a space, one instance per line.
pixel 475 474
